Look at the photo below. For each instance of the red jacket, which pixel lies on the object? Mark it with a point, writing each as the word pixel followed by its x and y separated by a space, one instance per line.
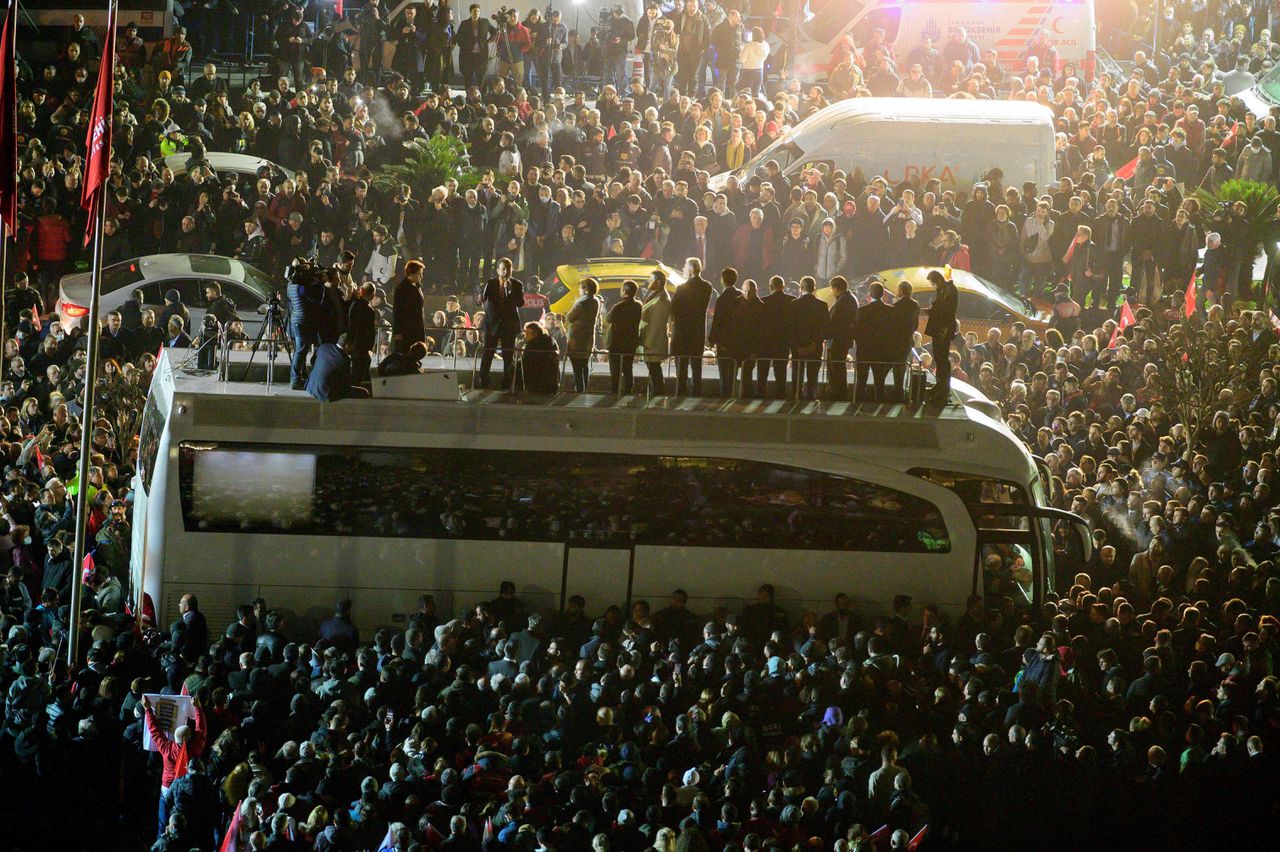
pixel 960 259
pixel 742 247
pixel 53 236
pixel 173 755
pixel 282 205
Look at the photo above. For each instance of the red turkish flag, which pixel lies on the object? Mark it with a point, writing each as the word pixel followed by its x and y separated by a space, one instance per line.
pixel 1128 170
pixel 1189 302
pixel 1126 319
pixel 97 143
pixel 9 122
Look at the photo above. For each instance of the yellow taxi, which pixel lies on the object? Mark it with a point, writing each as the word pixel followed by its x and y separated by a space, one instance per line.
pixel 561 289
pixel 982 305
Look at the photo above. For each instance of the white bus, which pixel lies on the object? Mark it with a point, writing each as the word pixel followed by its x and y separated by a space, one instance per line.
pixel 241 493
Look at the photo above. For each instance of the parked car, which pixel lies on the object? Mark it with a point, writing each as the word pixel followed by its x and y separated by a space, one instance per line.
pixel 562 288
pixel 981 304
pixel 240 165
pixel 156 274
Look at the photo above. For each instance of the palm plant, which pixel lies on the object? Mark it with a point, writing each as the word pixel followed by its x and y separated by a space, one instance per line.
pixel 1260 201
pixel 428 163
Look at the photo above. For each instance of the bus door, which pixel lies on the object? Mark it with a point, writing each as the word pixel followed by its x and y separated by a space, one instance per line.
pixel 600 571
pixel 1008 569
pixel 1016 551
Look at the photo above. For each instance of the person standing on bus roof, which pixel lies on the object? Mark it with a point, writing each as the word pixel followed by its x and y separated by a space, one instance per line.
pixel 502 298
pixel 689 328
pixel 905 320
pixel 408 326
pixel 941 326
pixel 841 322
pixel 723 335
pixel 582 320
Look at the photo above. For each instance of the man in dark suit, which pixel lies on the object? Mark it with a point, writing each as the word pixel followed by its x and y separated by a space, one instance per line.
pixel 941 327
pixel 190 632
pixel 689 328
pixel 807 321
pixel 723 334
pixel 361 325
pixel 502 298
pixel 875 337
pixel 842 320
pixel 622 338
pixel 331 378
pixel 772 340
pixel 839 624
pixel 906 318
pixel 408 326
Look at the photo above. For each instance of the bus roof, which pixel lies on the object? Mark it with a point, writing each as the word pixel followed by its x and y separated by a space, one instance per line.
pixel 932 110
pixel 213 410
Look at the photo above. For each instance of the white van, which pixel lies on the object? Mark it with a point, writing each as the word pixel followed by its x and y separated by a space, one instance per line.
pixel 1006 26
pixel 956 141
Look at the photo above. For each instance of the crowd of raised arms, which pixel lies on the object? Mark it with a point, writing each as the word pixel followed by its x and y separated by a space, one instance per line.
pixel 1139 707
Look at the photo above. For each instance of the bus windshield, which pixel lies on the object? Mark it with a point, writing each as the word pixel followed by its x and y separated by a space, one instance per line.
pixel 784 151
pixel 1269 85
pixel 1010 301
pixel 826 19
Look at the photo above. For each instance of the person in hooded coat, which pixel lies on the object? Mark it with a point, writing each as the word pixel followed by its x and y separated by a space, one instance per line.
pixel 975 218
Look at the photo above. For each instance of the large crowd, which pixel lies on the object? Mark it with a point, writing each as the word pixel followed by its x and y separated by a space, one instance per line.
pixel 1138 707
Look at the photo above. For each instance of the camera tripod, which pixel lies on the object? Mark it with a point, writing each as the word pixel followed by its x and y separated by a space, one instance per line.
pixel 272 334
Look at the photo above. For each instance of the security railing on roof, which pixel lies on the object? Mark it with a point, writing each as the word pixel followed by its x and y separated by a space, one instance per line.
pixel 787 379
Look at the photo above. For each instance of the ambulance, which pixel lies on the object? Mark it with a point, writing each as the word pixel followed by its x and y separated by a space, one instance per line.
pixel 1006 26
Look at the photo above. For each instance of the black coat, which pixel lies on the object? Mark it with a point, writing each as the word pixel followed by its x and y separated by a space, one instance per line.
pixel 942 313
pixel 361 325
pixel 874 331
pixel 502 312
pixel 539 366
pixel 772 340
pixel 689 317
pixel 406 319
pixel 906 319
pixel 807 325
pixel 622 334
pixel 726 332
pixel 842 321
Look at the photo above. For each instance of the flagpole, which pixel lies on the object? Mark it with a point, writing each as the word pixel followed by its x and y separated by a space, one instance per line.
pixel 97 156
pixel 4 281
pixel 86 439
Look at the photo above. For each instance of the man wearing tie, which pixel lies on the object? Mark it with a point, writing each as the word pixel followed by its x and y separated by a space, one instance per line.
pixel 700 240
pixel 503 297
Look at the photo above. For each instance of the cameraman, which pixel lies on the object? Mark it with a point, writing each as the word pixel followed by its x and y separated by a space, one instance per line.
pixel 514 42
pixel 621 31
pixel 306 301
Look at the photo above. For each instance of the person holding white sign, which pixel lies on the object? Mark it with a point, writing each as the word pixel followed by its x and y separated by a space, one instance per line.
pixel 185 742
